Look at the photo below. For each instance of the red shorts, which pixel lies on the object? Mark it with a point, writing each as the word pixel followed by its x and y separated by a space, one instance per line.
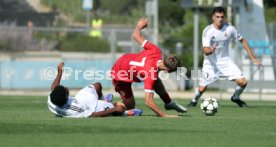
pixel 123 88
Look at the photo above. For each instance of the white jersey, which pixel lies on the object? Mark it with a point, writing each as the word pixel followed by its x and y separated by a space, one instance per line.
pixel 219 65
pixel 83 105
pixel 221 39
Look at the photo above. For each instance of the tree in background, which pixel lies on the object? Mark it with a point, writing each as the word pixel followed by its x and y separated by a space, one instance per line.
pixel 176 26
pixel 270 10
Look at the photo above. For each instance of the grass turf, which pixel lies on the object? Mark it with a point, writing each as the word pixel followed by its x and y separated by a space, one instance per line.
pixel 26 121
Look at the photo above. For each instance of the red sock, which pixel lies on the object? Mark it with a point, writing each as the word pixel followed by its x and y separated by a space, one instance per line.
pixel 166 98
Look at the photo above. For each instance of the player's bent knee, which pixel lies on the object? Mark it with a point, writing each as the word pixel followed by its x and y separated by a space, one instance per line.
pixel 129 106
pixel 241 82
pixel 129 103
pixel 201 89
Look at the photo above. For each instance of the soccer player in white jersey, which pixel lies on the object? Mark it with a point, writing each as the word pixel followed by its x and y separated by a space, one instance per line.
pixel 217 62
pixel 86 103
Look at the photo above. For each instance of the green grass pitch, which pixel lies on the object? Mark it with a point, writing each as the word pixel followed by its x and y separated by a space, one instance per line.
pixel 27 122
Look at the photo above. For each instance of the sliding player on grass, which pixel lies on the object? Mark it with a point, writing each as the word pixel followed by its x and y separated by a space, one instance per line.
pixel 88 102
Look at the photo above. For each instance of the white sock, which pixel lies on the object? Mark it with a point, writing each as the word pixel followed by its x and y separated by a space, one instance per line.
pixel 197 95
pixel 238 91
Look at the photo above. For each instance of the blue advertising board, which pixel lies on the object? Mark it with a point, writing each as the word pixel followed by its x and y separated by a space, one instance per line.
pixel 40 74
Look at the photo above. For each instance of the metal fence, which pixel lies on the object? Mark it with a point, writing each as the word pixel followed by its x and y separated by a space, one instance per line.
pixel 35 35
pixel 57 25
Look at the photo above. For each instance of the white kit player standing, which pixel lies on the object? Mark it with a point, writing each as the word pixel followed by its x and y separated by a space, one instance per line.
pixel 217 62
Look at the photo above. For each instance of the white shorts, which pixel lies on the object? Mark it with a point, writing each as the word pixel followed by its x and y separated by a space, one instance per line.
pixel 221 71
pixel 88 96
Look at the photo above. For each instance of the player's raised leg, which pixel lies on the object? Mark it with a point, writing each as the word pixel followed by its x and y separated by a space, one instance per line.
pixel 241 84
pixel 163 94
pixel 198 93
pixel 208 77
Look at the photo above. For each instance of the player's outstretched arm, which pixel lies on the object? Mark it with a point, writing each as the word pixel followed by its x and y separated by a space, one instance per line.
pixel 249 52
pixel 58 77
pixel 118 108
pixel 142 23
pixel 151 104
pixel 103 113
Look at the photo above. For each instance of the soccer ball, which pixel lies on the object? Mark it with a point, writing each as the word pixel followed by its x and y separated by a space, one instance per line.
pixel 209 106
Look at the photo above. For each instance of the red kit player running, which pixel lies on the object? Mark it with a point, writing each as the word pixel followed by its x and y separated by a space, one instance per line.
pixel 145 66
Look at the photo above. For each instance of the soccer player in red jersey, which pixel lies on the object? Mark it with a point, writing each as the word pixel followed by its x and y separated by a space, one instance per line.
pixel 144 66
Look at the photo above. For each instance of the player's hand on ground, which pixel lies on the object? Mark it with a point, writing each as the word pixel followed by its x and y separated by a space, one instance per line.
pixel 60 67
pixel 142 23
pixel 170 116
pixel 256 61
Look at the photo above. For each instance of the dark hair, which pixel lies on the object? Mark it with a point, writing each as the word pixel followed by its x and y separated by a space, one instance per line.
pixel 98 87
pixel 172 62
pixel 218 10
pixel 59 95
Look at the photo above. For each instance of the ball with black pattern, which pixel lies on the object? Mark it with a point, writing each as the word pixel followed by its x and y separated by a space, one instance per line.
pixel 209 106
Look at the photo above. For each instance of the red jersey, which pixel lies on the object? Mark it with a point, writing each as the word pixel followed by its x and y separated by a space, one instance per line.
pixel 139 67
